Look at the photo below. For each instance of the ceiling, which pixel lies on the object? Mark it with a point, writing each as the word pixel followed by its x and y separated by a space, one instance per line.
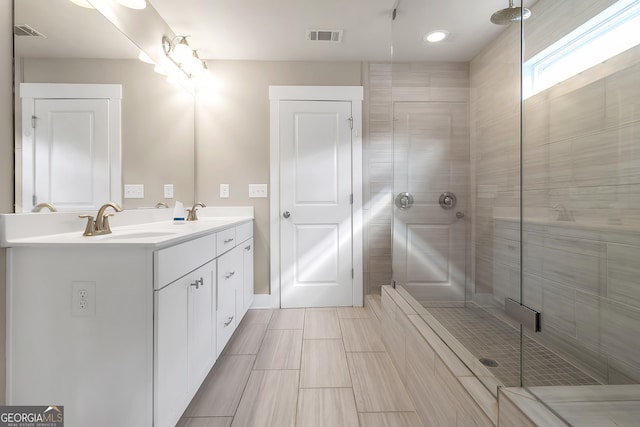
pixel 275 29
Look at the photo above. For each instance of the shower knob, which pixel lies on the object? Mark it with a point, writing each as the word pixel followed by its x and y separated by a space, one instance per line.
pixel 404 200
pixel 286 214
pixel 447 200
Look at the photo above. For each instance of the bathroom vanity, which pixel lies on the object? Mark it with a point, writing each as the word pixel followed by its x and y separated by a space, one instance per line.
pixel 122 329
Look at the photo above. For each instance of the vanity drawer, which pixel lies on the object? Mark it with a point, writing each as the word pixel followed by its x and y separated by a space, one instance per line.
pixel 244 232
pixel 226 240
pixel 174 262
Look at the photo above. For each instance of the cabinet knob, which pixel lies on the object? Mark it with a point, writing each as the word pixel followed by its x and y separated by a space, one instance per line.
pixel 228 322
pixel 248 248
pixel 198 283
pixel 228 241
pixel 229 275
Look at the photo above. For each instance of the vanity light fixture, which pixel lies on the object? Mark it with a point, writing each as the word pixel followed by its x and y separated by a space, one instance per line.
pixel 436 36
pixel 178 51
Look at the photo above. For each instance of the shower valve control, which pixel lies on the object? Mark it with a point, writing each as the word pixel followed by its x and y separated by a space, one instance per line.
pixel 447 200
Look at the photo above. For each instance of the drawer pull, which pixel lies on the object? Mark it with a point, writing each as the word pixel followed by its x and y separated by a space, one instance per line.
pixel 198 283
pixel 248 248
pixel 229 275
pixel 228 241
pixel 228 322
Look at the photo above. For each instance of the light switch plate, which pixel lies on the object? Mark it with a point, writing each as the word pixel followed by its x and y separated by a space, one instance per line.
pixel 168 191
pixel 257 191
pixel 224 191
pixel 134 191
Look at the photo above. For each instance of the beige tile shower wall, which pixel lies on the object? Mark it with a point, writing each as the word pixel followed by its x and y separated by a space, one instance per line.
pixel 386 84
pixel 232 134
pixel 577 143
pixel 495 151
pixel 6 160
pixel 378 178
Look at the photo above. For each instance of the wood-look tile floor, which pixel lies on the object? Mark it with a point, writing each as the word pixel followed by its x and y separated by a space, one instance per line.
pixel 303 368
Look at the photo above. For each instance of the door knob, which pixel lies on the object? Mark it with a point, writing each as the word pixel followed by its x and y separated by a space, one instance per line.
pixel 447 200
pixel 286 214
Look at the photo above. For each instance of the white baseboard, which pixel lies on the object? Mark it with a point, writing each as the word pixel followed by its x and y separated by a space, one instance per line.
pixel 262 301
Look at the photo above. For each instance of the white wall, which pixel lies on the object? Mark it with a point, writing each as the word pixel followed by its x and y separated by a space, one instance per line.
pixel 232 135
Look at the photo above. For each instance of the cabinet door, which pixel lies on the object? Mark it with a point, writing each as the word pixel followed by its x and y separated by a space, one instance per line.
pixel 247 275
pixel 171 353
pixel 200 323
pixel 229 273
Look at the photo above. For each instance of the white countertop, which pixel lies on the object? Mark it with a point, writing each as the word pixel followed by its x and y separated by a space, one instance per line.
pixel 133 228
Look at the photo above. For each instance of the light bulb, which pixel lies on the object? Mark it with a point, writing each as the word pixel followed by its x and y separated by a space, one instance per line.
pixel 181 51
pixel 160 70
pixel 145 58
pixel 133 4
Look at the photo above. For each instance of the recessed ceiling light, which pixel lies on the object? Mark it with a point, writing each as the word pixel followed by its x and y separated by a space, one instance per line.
pixel 436 36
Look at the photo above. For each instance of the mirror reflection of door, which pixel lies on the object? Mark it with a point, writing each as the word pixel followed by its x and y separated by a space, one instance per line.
pixel 70 145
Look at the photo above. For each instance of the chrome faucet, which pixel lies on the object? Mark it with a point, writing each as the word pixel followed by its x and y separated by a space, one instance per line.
pixel 101 224
pixel 42 205
pixel 162 205
pixel 191 213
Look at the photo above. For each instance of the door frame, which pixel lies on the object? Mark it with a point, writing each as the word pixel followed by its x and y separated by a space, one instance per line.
pixel 353 94
pixel 29 93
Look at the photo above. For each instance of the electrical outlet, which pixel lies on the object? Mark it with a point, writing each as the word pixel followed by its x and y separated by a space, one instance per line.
pixel 224 191
pixel 134 191
pixel 257 191
pixel 83 298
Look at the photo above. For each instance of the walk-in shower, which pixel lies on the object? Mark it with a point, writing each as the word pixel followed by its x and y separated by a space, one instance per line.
pixel 531 199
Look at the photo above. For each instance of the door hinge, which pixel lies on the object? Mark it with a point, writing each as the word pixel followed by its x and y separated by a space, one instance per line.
pixel 526 316
pixel 34 200
pixel 352 273
pixel 351 198
pixel 33 121
pixel 351 122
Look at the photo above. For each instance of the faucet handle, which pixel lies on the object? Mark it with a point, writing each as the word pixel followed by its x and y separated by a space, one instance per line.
pixel 91 225
pixel 192 214
pixel 106 229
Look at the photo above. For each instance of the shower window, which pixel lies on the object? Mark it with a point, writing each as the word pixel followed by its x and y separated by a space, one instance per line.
pixel 606 35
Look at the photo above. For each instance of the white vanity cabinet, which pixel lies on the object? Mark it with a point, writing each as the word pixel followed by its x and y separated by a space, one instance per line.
pixel 184 337
pixel 160 314
pixel 234 297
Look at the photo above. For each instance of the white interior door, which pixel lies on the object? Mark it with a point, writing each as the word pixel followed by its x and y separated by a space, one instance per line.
pixel 430 158
pixel 315 202
pixel 71 161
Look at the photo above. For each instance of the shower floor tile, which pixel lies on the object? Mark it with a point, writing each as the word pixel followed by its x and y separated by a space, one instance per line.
pixel 488 337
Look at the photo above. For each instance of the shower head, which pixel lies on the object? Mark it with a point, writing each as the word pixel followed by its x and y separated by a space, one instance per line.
pixel 510 14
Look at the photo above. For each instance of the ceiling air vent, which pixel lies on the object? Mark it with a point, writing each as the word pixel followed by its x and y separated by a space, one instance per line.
pixel 25 30
pixel 333 36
